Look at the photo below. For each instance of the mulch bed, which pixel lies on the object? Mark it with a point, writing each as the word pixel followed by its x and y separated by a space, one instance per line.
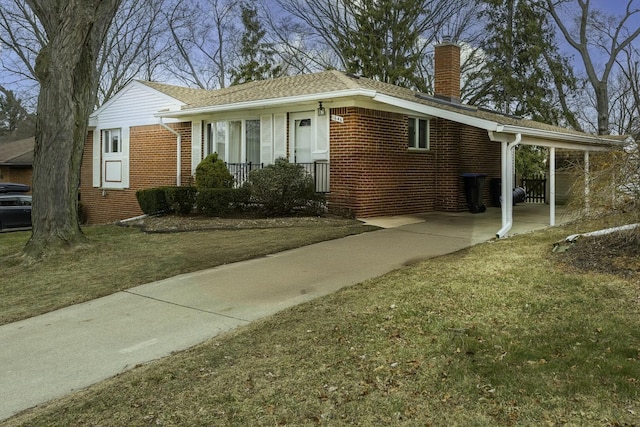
pixel 175 224
pixel 616 253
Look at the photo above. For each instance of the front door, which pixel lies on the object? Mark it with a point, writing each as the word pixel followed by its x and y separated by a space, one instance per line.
pixel 302 137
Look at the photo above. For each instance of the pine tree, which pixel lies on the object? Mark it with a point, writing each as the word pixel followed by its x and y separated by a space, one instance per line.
pixel 524 74
pixel 257 55
pixel 15 120
pixel 382 43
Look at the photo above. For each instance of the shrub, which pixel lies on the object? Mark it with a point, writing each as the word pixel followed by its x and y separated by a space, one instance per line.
pixel 180 200
pixel 220 201
pixel 213 173
pixel 283 188
pixel 152 201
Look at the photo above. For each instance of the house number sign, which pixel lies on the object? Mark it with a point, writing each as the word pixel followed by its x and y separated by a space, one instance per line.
pixel 338 119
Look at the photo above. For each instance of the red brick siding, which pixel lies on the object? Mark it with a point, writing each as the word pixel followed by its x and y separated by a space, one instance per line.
pixel 17 175
pixel 447 70
pixel 462 149
pixel 372 171
pixel 152 163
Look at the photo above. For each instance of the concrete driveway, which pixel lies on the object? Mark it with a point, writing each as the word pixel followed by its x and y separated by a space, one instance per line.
pixel 49 356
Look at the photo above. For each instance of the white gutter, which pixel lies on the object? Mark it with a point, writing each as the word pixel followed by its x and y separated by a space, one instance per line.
pixel 507 185
pixel 267 103
pixel 178 153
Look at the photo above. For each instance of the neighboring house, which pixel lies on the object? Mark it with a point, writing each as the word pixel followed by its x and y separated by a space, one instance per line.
pixel 16 161
pixel 376 149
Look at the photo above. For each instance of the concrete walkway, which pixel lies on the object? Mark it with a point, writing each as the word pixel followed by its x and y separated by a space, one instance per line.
pixel 49 356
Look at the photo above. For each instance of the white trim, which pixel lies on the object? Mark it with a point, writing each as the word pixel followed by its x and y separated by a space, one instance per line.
pixel 196 145
pixel 552 186
pixel 97 159
pixel 265 103
pixel 438 112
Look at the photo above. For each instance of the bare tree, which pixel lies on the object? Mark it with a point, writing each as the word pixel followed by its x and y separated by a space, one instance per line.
pixel 134 46
pixel 66 70
pixel 203 34
pixel 597 35
pixel 331 27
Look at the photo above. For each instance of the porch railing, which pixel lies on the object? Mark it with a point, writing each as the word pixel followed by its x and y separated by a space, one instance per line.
pixel 319 171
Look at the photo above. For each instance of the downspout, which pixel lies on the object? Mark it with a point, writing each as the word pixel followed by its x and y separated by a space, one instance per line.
pixel 178 154
pixel 507 185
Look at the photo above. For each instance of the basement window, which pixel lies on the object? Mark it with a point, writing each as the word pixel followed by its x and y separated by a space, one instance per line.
pixel 418 134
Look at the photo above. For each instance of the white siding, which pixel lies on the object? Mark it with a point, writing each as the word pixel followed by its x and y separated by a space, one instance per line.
pixel 134 105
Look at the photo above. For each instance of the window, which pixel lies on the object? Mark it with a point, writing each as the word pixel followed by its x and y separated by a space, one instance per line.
pixel 252 139
pixel 235 141
pixel 418 133
pixel 111 141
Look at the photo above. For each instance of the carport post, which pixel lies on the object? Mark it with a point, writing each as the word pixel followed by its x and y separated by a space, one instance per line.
pixel 586 180
pixel 552 186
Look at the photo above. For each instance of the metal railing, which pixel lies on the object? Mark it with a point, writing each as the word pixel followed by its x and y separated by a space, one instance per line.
pixel 319 171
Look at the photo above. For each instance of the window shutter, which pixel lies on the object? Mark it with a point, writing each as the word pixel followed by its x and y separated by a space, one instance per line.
pixel 96 159
pixel 266 139
pixel 322 139
pixel 196 145
pixel 124 140
pixel 279 136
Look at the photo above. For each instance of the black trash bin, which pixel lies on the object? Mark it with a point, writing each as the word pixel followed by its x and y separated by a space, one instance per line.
pixel 473 188
pixel 496 191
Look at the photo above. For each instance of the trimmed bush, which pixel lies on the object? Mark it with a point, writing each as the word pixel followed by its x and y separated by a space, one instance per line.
pixel 180 200
pixel 213 173
pixel 283 188
pixel 220 201
pixel 152 201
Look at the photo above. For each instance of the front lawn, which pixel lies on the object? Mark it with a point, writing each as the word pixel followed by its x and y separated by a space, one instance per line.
pixel 118 258
pixel 504 333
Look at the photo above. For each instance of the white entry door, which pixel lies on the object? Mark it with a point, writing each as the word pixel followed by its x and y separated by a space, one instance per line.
pixel 302 137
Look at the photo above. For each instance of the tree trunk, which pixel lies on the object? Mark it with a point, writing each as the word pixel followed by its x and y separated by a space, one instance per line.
pixel 66 71
pixel 602 106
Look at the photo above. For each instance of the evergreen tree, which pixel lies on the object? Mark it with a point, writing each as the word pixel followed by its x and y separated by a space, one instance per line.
pixel 524 75
pixel 257 55
pixel 15 122
pixel 383 41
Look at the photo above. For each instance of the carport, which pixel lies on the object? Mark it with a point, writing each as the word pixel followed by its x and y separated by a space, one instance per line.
pixel 512 136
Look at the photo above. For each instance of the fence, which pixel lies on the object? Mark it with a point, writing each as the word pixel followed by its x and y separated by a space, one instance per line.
pixel 536 189
pixel 319 171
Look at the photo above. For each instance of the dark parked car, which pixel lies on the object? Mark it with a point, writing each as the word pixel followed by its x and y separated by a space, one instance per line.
pixel 10 187
pixel 15 211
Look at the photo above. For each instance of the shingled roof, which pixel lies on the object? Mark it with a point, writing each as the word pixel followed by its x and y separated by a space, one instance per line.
pixel 17 153
pixel 334 82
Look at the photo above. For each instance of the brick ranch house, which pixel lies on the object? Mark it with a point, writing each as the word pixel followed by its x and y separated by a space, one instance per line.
pixel 376 149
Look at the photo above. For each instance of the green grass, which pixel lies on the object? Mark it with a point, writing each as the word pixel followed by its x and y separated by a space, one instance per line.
pixel 499 334
pixel 118 258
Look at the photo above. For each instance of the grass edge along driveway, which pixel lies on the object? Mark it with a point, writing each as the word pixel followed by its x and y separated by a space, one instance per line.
pixel 502 333
pixel 118 258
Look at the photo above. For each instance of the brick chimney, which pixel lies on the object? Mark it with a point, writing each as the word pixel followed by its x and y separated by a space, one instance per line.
pixel 447 71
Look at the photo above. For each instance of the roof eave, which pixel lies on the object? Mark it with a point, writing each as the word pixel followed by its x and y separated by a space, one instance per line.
pixel 267 103
pixel 429 110
pixel 556 139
